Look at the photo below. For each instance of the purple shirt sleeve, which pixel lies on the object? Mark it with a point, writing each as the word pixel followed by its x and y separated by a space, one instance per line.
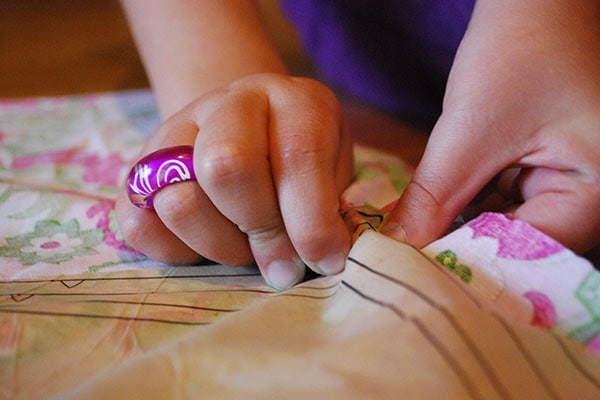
pixel 395 55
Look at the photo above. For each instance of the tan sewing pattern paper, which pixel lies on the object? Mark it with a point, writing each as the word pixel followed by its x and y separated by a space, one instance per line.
pixel 393 324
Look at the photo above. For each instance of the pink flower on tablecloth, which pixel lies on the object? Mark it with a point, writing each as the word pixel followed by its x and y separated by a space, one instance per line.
pixel 22 104
pixel 98 169
pixel 594 344
pixel 106 222
pixel 517 240
pixel 544 313
pixel 52 242
pixel 102 170
pixel 51 246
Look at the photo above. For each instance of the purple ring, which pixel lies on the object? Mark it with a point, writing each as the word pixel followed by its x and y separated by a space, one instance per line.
pixel 157 170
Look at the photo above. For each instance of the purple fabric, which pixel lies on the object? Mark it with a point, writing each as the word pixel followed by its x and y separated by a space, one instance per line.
pixel 395 55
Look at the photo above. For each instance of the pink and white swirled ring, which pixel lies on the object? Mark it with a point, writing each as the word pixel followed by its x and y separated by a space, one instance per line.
pixel 157 170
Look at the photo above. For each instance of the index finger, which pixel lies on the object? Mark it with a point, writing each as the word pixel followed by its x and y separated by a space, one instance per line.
pixel 562 206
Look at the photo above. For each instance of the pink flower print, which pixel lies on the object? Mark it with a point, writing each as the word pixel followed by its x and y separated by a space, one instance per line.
pixel 594 344
pixel 544 313
pixel 102 171
pixel 47 247
pixel 106 222
pixel 52 242
pixel 27 104
pixel 99 170
pixel 517 240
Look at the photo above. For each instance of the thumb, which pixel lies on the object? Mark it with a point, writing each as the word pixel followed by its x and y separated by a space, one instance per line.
pixel 456 166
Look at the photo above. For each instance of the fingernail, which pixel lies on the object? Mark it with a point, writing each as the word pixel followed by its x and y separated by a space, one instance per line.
pixel 283 274
pixel 332 264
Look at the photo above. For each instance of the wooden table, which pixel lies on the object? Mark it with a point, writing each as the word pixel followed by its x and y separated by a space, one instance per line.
pixel 62 47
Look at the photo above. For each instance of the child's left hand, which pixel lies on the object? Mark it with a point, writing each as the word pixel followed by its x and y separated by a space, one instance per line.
pixel 521 116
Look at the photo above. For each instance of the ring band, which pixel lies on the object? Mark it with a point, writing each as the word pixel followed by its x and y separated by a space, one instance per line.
pixel 157 170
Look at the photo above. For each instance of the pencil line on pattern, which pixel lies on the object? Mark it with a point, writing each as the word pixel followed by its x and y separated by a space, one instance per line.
pixel 455 367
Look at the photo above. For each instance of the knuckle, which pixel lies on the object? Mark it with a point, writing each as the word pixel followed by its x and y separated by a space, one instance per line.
pixel 285 88
pixel 262 79
pixel 320 96
pixel 223 163
pixel 423 195
pixel 300 151
pixel 268 230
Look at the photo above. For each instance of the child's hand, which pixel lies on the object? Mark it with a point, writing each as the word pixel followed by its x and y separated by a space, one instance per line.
pixel 271 157
pixel 522 110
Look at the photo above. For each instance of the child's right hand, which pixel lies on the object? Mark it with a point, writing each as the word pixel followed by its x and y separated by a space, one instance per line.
pixel 271 156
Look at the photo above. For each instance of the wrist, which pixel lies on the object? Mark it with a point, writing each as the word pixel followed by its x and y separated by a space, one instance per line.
pixel 192 47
